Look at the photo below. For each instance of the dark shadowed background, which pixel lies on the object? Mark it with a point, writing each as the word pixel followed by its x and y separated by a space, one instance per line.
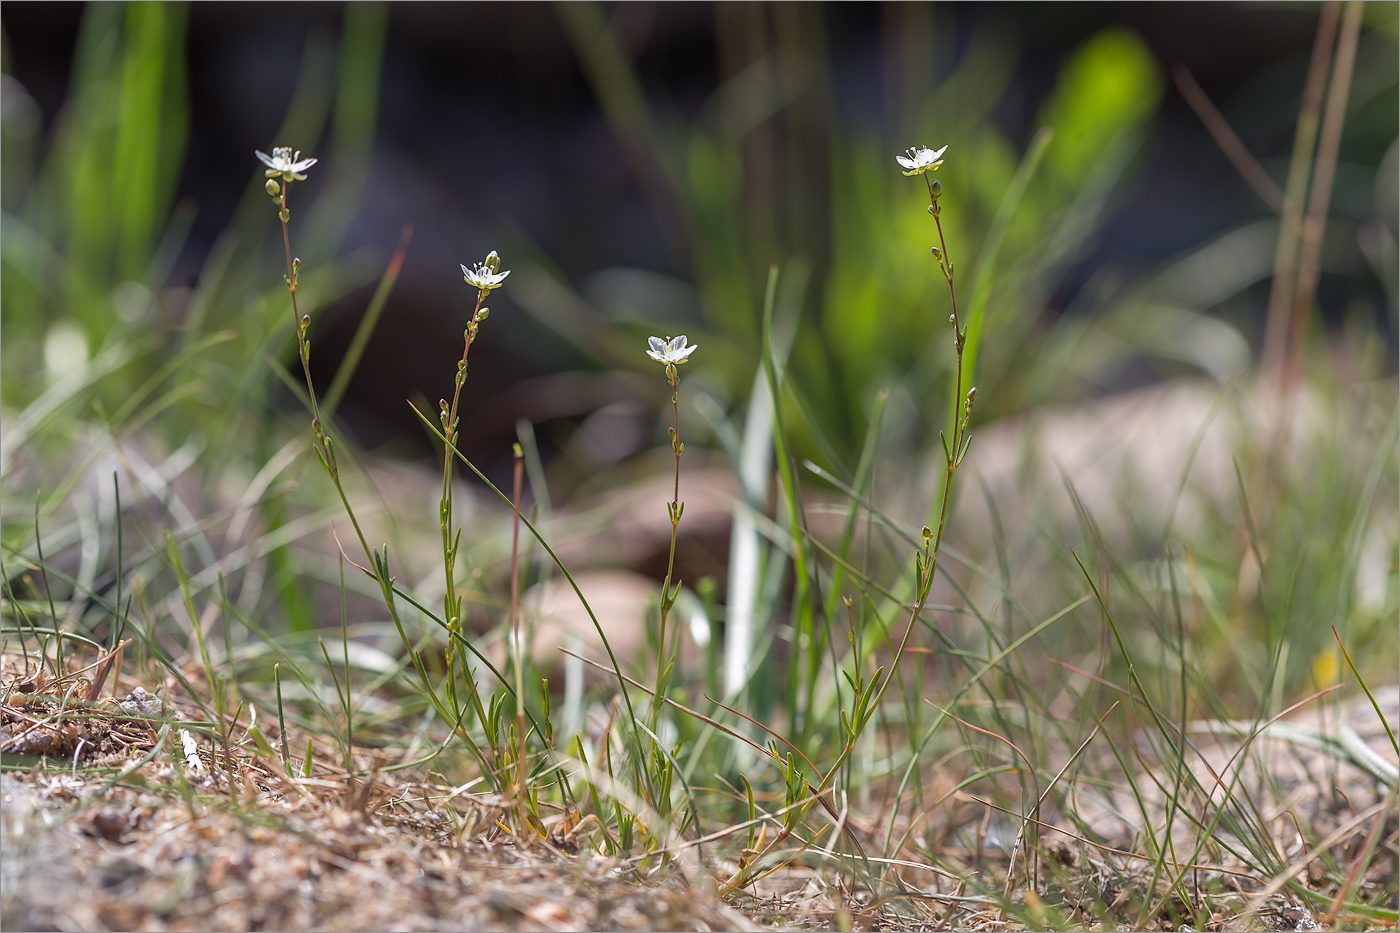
pixel 641 165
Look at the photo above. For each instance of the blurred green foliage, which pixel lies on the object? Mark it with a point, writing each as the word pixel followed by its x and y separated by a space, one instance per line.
pixel 92 232
pixel 102 199
pixel 879 316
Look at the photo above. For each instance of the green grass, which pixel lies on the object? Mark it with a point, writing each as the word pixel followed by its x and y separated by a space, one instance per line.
pixel 1022 727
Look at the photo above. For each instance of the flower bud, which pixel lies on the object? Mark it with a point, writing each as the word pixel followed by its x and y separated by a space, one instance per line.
pixel 493 262
pixel 927 533
pixel 272 188
pixel 972 394
pixel 937 253
pixel 937 189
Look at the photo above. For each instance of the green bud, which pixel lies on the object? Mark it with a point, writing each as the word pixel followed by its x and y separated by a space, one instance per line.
pixel 273 189
pixel 937 189
pixel 972 394
pixel 483 314
pixel 927 533
pixel 493 262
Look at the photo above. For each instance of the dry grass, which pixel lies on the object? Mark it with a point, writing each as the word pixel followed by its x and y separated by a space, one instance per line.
pixel 118 824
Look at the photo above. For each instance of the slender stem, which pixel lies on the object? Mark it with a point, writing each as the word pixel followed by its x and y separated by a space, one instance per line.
pixel 451 604
pixel 380 572
pixel 297 326
pixel 522 796
pixel 671 557
pixel 931 552
pixel 1324 171
pixel 1299 168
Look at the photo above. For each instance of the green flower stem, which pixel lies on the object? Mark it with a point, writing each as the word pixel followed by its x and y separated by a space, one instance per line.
pixel 299 324
pixel 521 790
pixel 452 605
pixel 667 597
pixel 928 561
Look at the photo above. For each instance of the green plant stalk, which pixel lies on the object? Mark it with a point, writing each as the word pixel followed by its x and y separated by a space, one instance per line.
pixel 48 592
pixel 325 453
pixel 522 793
pixel 216 687
pixel 615 668
pixel 674 508
pixel 452 604
pixel 345 659
pixel 928 561
pixel 787 485
pixel 300 323
pixel 281 720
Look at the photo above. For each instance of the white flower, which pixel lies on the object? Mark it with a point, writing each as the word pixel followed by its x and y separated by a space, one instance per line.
pixel 486 274
pixel 921 160
pixel 670 351
pixel 286 163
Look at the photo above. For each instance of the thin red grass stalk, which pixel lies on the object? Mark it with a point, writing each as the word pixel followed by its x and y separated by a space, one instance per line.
pixel 1290 871
pixel 1363 856
pixel 1021 840
pixel 1229 142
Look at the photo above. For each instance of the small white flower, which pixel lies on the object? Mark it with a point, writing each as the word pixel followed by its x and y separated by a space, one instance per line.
pixel 283 161
pixel 670 351
pixel 921 160
pixel 487 274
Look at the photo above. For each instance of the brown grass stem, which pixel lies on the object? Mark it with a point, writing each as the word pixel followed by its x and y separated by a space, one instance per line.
pixel 1299 168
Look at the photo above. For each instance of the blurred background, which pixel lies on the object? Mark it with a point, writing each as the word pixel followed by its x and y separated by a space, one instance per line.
pixel 641 167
